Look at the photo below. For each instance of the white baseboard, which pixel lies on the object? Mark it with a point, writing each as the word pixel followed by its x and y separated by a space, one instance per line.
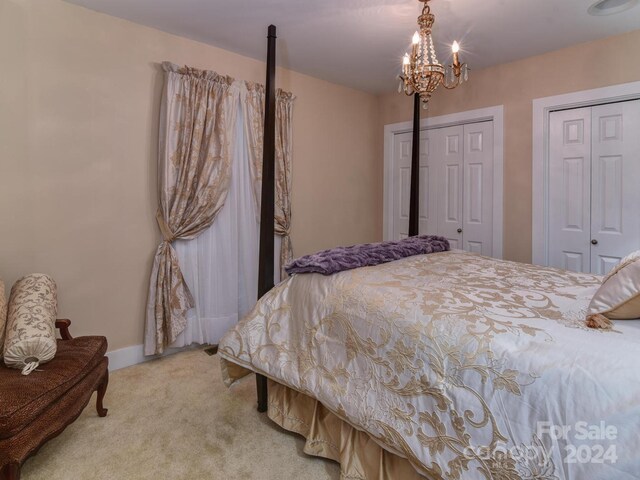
pixel 128 356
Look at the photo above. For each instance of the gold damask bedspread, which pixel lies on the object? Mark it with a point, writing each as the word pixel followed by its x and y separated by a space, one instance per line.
pixel 469 367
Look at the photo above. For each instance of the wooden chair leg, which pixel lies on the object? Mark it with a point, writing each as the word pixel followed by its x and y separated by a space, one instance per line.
pixel 11 471
pixel 102 389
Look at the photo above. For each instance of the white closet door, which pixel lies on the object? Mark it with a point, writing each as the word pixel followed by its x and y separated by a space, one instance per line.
pixel 428 210
pixel 569 189
pixel 477 226
pixel 456 185
pixel 402 186
pixel 615 186
pixel 447 145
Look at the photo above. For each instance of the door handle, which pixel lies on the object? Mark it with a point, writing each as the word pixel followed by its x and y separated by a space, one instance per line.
pixel 594 242
pixel 459 230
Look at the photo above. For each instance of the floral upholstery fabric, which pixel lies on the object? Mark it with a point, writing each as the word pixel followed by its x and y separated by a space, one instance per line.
pixel 30 333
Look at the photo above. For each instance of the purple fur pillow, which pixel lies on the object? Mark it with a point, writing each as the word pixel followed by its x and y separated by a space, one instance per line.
pixel 339 259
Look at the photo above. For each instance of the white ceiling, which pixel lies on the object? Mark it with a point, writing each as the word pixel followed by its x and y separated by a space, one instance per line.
pixel 359 43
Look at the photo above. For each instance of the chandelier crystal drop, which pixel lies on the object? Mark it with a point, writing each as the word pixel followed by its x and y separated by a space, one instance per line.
pixel 421 71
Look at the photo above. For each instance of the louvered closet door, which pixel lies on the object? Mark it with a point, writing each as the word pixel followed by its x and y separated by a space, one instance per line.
pixel 477 196
pixel 447 146
pixel 615 185
pixel 402 186
pixel 569 189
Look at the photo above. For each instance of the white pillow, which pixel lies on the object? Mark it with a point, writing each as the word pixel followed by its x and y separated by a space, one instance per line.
pixel 618 297
pixel 31 319
pixel 3 315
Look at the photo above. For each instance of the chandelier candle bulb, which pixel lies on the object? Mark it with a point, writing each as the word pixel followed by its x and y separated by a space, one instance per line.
pixel 455 48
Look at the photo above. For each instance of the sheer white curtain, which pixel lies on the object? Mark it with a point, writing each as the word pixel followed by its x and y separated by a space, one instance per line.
pixel 221 265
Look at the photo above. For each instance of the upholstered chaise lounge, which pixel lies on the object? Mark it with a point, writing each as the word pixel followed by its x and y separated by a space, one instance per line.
pixel 38 407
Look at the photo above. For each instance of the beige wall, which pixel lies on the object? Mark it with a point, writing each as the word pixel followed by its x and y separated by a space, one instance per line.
pixel 590 65
pixel 79 97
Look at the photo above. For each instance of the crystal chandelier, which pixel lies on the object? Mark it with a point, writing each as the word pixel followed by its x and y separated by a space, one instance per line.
pixel 421 72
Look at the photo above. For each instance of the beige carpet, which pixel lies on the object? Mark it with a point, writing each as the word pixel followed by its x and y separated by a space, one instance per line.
pixel 173 418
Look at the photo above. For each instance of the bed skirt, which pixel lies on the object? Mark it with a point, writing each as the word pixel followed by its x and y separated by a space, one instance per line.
pixel 328 436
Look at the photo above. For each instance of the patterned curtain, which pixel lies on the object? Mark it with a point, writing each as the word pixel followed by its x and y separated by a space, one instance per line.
pixel 284 119
pixel 253 112
pixel 197 117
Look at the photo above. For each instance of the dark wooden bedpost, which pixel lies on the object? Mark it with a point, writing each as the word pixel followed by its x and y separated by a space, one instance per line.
pixel 267 214
pixel 415 170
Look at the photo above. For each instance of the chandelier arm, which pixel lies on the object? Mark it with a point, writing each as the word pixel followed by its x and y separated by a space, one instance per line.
pixel 451 86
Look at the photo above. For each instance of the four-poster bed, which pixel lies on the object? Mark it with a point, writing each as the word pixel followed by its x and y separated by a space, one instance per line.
pixel 446 365
pixel 266 255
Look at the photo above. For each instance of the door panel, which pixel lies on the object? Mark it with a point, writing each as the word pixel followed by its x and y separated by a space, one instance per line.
pixel 477 225
pixel 402 186
pixel 615 192
pixel 448 158
pixel 453 175
pixel 569 189
pixel 428 223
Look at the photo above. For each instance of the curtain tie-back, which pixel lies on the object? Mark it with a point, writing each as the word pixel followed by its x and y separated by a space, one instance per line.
pixel 281 230
pixel 164 228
